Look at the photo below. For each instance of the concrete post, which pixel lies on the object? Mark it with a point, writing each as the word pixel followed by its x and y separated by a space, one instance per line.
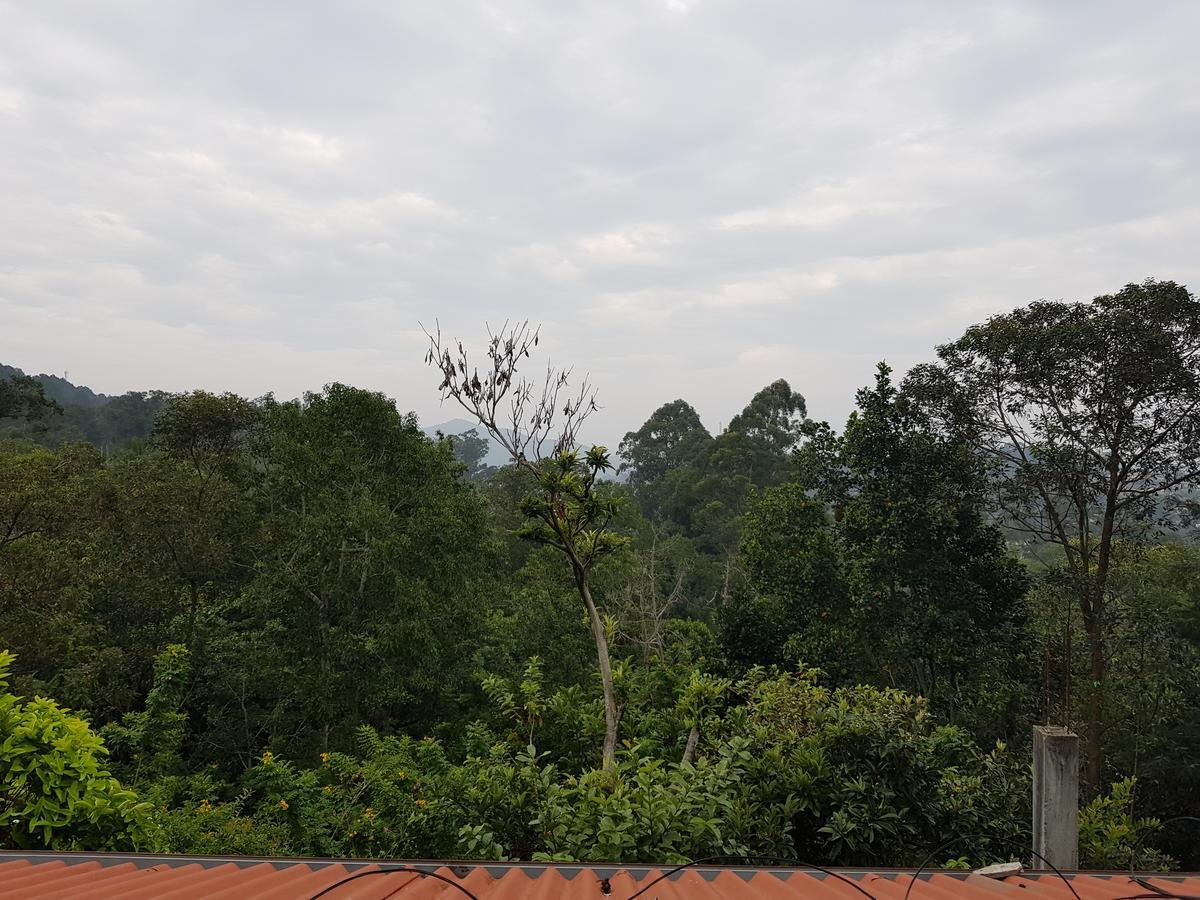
pixel 1055 797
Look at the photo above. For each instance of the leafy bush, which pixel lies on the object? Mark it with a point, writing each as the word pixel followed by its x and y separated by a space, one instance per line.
pixel 389 800
pixel 54 792
pixel 222 828
pixel 872 778
pixel 651 809
pixel 149 742
pixel 1110 837
pixel 785 768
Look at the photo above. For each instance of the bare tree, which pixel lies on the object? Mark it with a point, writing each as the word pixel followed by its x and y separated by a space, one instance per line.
pixel 538 424
pixel 520 415
pixel 642 604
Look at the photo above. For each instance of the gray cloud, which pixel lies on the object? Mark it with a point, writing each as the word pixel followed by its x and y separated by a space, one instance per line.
pixel 694 196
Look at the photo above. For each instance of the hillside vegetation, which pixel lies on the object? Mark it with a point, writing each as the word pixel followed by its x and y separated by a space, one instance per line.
pixel 309 627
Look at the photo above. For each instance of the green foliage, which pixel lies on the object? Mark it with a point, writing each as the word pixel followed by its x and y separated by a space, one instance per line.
pixel 1152 692
pixel 800 600
pixel 471 449
pixel 792 640
pixel 913 584
pixel 700 485
pixel 775 419
pixel 385 800
pixel 369 558
pixel 669 440
pixel 571 510
pixel 205 429
pixel 700 696
pixel 650 809
pixel 52 569
pixel 536 612
pixel 220 829
pixel 876 778
pixel 1111 837
pixel 194 820
pixel 150 741
pixel 1087 416
pixel 524 704
pixel 785 768
pixel 22 397
pixel 51 411
pixel 54 792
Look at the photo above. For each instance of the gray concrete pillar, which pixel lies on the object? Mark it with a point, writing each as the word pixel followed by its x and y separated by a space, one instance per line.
pixel 1055 796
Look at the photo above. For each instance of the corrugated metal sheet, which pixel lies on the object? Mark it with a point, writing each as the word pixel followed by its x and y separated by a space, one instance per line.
pixel 98 875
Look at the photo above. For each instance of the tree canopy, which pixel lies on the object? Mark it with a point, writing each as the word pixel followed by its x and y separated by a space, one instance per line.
pixel 307 627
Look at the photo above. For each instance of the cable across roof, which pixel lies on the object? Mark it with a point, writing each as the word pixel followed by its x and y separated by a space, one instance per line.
pixel 84 875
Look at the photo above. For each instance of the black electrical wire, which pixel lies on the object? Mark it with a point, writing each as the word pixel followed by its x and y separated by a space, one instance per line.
pixel 394 891
pixel 388 870
pixel 1154 891
pixel 969 837
pixel 791 863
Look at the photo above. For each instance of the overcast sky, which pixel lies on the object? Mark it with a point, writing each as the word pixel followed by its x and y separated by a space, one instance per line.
pixel 694 197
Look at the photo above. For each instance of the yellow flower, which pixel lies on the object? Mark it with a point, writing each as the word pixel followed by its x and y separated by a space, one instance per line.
pixel 267 757
pixel 283 804
pixel 328 789
pixel 400 775
pixel 205 806
pixel 325 758
pixel 422 802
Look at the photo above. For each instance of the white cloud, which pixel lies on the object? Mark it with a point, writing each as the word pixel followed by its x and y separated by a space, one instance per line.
pixel 12 102
pixel 309 146
pixel 630 245
pixel 782 288
pixel 695 197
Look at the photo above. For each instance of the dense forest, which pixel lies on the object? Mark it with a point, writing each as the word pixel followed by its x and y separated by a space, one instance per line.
pixel 306 627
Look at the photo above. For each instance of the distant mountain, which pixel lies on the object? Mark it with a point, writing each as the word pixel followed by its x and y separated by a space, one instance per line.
pixel 61 390
pixel 496 455
pixel 107 422
pixel 454 426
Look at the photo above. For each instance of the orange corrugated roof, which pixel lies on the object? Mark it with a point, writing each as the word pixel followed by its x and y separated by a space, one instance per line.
pixel 82 876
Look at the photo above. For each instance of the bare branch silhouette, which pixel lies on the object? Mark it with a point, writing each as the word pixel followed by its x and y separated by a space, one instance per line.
pixel 524 418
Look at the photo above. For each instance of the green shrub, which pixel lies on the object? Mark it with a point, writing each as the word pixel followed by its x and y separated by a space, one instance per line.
pixel 783 767
pixel 148 743
pixel 222 828
pixel 55 793
pixel 1110 837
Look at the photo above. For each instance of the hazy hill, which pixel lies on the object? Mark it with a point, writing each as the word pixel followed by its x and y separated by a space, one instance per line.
pixel 108 422
pixel 61 390
pixel 496 455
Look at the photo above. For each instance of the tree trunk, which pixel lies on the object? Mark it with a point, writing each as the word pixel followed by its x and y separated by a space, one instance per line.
pixel 1095 625
pixel 323 664
pixel 689 752
pixel 193 611
pixel 610 700
pixel 1095 751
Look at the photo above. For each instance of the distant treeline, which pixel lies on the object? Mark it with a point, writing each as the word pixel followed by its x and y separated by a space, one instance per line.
pixel 107 422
